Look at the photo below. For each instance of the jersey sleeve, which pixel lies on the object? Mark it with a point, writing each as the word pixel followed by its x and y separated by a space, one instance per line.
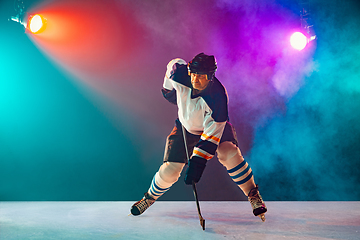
pixel 214 125
pixel 168 90
pixel 209 140
pixel 170 72
pixel 170 95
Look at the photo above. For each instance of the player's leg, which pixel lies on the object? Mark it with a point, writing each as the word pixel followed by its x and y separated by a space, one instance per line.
pixel 165 177
pixel 169 172
pixel 239 170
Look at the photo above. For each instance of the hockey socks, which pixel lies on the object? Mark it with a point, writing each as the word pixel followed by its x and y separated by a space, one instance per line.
pixel 238 169
pixel 158 186
pixel 168 174
pixel 242 175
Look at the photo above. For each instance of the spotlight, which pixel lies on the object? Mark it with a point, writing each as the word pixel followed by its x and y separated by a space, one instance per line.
pixel 298 41
pixel 36 23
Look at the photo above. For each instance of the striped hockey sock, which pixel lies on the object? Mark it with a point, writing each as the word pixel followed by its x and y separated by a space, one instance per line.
pixel 242 175
pixel 158 186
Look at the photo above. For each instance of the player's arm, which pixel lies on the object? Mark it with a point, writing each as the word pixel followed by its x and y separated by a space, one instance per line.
pixel 205 149
pixel 168 90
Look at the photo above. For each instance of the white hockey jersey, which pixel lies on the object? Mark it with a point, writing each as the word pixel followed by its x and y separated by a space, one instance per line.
pixel 203 114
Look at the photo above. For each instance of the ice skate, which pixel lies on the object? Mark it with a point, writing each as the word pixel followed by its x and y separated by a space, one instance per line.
pixel 257 204
pixel 140 206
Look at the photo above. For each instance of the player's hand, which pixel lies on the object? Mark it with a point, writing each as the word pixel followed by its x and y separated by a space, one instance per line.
pixel 195 170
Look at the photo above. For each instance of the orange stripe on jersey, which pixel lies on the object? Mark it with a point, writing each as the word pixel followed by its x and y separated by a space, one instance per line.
pixel 210 137
pixel 202 155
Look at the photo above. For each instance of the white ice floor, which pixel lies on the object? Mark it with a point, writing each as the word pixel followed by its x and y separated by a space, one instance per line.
pixel 178 220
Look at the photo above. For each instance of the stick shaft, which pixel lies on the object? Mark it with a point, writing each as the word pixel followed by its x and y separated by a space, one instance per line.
pixel 196 198
pixel 185 144
pixel 202 220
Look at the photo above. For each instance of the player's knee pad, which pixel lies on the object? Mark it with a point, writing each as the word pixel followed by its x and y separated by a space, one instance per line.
pixel 170 171
pixel 227 150
pixel 229 154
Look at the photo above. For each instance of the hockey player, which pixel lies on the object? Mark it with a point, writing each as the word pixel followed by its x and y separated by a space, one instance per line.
pixel 203 112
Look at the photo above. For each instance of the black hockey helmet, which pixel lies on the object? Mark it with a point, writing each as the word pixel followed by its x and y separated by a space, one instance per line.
pixel 203 64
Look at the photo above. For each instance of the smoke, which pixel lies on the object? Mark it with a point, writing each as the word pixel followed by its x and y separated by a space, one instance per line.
pixel 296 113
pixel 249 40
pixel 312 151
pixel 290 72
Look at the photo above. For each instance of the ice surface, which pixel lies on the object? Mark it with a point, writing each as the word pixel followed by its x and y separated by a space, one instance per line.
pixel 178 220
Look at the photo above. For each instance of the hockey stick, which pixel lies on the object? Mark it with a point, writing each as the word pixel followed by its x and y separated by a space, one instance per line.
pixel 202 220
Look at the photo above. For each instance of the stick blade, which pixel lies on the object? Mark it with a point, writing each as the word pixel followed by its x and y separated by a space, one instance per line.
pixel 202 223
pixel 262 216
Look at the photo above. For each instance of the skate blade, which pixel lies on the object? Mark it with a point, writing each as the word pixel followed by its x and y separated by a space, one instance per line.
pixel 262 217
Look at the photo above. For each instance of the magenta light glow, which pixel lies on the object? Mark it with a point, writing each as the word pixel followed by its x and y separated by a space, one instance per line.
pixel 298 41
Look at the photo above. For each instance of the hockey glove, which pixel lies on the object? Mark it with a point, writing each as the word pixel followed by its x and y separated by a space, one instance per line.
pixel 195 170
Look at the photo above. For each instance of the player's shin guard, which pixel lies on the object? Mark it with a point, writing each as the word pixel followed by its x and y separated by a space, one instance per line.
pixel 240 172
pixel 168 174
pixel 158 186
pixel 242 175
pixel 238 169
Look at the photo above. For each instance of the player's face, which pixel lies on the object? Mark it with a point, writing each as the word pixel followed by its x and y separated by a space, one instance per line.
pixel 199 81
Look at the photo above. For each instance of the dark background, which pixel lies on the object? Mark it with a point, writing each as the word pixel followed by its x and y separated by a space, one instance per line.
pixel 82 116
